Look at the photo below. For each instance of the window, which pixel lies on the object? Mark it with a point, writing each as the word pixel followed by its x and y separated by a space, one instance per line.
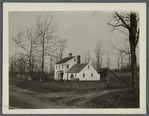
pixel 67 65
pixel 74 59
pixel 91 74
pixel 75 74
pixel 83 74
pixel 88 66
pixel 59 67
pixel 56 66
pixel 62 66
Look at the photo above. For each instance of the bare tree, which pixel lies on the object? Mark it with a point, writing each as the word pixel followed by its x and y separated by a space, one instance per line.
pixel 98 55
pixel 128 60
pixel 122 56
pixel 20 66
pixel 12 65
pixel 24 59
pixel 51 64
pixel 87 57
pixel 118 61
pixel 129 23
pixel 60 49
pixel 108 62
pixel 27 42
pixel 45 28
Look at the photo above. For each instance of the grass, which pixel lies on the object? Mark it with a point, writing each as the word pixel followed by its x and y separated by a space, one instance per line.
pixel 47 86
pixel 55 100
pixel 121 99
pixel 14 102
pixel 126 77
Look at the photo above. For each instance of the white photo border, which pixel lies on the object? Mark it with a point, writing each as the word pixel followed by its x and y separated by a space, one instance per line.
pixel 140 7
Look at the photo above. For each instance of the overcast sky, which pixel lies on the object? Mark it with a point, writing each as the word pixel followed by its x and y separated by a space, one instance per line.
pixel 82 30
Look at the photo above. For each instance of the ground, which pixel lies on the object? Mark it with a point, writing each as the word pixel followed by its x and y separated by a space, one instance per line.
pixel 43 95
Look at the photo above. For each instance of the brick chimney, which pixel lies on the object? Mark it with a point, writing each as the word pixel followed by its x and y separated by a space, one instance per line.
pixel 70 55
pixel 78 59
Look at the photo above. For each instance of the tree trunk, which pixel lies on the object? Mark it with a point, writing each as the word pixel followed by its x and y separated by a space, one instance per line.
pixel 133 68
pixel 24 71
pixel 30 68
pixel 30 62
pixel 42 70
pixel 108 78
pixel 132 39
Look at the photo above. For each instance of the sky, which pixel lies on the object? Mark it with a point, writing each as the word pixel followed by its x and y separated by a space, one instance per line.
pixel 82 29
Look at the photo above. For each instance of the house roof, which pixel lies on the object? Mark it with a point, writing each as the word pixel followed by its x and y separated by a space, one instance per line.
pixel 64 60
pixel 60 71
pixel 76 68
pixel 102 70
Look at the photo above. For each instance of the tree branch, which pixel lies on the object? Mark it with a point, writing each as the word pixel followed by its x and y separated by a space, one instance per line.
pixel 120 17
pixel 120 50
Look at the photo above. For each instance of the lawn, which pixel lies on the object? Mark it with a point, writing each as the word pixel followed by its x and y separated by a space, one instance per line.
pixel 79 92
pixel 47 86
pixel 121 99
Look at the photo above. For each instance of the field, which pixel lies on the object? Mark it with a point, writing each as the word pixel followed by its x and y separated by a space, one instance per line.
pixel 47 86
pixel 120 99
pixel 93 94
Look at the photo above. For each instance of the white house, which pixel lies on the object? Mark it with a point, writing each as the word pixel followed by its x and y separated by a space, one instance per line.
pixel 70 68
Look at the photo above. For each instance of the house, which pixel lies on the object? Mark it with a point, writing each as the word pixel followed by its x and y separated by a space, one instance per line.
pixel 70 68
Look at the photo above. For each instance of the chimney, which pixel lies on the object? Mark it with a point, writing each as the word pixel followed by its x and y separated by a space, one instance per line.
pixel 78 59
pixel 70 55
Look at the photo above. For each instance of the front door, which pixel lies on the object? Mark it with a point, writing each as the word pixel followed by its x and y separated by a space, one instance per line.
pixel 61 76
pixel 72 77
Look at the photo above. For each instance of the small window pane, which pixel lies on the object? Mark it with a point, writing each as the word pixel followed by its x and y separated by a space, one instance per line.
pixel 83 75
pixel 67 65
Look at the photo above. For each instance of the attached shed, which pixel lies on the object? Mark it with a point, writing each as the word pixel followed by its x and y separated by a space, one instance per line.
pixel 103 73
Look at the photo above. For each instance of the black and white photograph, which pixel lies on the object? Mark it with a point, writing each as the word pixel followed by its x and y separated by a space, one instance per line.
pixel 75 59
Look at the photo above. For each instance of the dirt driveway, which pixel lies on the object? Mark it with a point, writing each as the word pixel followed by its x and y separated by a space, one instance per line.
pixel 25 99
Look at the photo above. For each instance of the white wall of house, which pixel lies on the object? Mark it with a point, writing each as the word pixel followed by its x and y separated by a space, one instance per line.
pixel 89 74
pixel 59 67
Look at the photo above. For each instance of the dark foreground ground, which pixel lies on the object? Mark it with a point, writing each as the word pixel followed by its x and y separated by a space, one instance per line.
pixel 38 95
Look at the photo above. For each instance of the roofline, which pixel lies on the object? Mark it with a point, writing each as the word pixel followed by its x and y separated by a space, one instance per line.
pixel 66 61
pixel 81 69
pixel 90 65
pixel 84 67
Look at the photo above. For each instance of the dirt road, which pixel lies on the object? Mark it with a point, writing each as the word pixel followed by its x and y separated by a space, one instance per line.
pixel 25 99
pixel 29 100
